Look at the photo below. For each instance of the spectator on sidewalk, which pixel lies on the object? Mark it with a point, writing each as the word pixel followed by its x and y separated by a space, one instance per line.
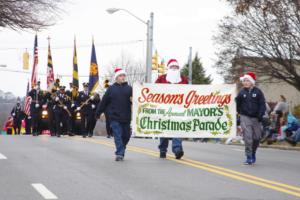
pixel 282 106
pixel 289 124
pixel 295 138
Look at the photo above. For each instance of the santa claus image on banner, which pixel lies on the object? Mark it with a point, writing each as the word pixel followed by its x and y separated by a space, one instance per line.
pixel 173 76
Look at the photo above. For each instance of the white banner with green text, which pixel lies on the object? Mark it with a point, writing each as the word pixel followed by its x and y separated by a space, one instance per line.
pixel 184 111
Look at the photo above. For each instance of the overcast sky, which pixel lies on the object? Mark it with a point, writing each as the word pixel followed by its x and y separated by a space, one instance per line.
pixel 177 25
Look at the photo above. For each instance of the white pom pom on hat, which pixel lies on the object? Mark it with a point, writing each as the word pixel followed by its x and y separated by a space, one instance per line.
pixel 249 76
pixel 118 72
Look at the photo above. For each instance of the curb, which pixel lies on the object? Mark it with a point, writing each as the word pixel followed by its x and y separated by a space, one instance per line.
pixel 280 147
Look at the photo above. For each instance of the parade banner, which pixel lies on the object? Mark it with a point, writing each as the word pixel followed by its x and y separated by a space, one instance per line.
pixel 184 111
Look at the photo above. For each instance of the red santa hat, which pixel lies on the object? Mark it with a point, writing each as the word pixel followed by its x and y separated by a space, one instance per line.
pixel 119 71
pixel 172 62
pixel 249 76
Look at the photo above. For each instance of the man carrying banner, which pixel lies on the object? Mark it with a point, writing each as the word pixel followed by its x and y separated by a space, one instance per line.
pixel 173 76
pixel 117 99
pixel 251 106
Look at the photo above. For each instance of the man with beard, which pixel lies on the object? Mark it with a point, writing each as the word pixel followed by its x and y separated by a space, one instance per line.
pixel 173 76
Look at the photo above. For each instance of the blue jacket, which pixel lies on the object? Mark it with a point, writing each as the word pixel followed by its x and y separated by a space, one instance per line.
pixel 292 123
pixel 251 102
pixel 116 102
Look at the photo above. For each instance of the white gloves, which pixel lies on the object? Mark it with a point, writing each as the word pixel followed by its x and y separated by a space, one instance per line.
pixel 37 105
pixel 73 105
pixel 65 107
pixel 56 99
pixel 29 117
pixel 93 106
pixel 92 97
pixel 78 108
pixel 13 114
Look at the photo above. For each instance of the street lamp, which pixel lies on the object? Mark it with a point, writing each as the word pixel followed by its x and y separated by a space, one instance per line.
pixel 149 24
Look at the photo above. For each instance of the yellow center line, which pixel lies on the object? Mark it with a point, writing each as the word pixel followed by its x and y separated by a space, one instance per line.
pixel 281 187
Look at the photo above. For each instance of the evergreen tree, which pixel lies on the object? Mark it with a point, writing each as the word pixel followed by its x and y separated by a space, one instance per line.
pixel 198 75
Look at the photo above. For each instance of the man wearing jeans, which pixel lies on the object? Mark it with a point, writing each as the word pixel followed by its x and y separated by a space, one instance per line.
pixel 117 103
pixel 173 76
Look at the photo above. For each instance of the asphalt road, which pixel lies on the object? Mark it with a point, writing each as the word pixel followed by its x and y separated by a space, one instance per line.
pixel 73 168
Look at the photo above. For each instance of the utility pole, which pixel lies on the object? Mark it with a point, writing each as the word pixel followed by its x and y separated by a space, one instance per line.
pixel 190 67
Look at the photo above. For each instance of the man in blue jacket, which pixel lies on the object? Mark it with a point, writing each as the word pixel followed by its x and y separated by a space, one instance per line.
pixel 251 106
pixel 117 103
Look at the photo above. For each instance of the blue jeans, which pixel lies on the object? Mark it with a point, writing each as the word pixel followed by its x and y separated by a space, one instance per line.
pixel 176 145
pixel 296 136
pixel 121 132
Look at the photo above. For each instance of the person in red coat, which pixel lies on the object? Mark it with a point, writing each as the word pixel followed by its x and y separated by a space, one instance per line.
pixel 172 76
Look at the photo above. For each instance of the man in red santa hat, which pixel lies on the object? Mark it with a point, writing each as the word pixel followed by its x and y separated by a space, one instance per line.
pixel 251 105
pixel 117 103
pixel 173 76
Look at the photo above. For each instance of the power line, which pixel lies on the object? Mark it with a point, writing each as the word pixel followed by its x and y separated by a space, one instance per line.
pixel 65 75
pixel 80 46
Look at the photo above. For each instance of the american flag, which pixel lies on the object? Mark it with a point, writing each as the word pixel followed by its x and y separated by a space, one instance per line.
pixel 35 62
pixel 27 101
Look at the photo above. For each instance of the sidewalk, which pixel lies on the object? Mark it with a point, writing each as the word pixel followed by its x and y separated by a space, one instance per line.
pixel 277 145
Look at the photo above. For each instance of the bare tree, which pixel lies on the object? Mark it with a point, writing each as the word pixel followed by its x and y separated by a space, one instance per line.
pixel 244 6
pixel 29 14
pixel 135 69
pixel 271 36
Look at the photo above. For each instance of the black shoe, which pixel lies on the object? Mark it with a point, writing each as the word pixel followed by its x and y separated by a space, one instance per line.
pixel 108 136
pixel 119 158
pixel 179 154
pixel 84 136
pixel 163 155
pixel 58 135
pixel 90 135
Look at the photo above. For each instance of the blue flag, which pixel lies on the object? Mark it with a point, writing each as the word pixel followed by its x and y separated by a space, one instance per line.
pixel 94 75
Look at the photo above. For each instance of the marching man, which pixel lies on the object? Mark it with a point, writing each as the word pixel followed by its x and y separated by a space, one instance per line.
pixel 251 106
pixel 173 76
pixel 86 104
pixel 17 114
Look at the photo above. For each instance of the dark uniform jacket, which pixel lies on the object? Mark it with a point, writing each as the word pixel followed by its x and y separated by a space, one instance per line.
pixel 63 100
pixel 91 104
pixel 36 99
pixel 17 113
